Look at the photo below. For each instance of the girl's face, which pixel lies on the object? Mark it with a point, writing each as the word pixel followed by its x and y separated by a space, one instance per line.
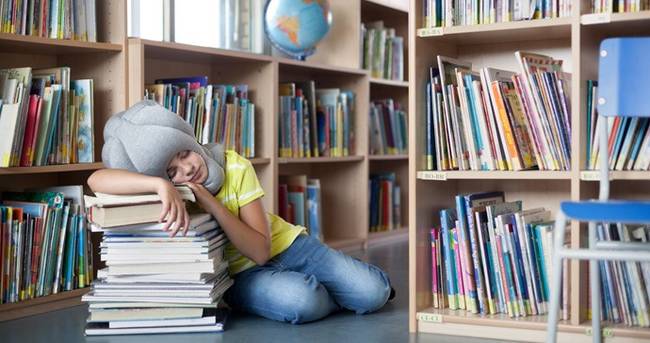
pixel 187 166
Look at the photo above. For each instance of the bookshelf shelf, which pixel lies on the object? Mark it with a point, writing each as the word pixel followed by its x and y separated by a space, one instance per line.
pixel 493 175
pixel 598 19
pixel 260 160
pixel 42 304
pixel 285 160
pixel 290 65
pixel 61 168
pixel 594 175
pixel 539 29
pixel 193 53
pixel 400 157
pixel 346 244
pixel 375 237
pixel 396 5
pixel 48 46
pixel 374 81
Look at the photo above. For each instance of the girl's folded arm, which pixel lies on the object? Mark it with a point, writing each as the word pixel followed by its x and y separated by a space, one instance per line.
pixel 120 181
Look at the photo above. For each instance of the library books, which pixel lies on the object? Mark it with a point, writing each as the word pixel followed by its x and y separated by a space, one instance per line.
pixel 382 51
pixel 625 286
pixel 58 19
pixel 611 6
pixel 315 122
pixel 384 202
pixel 628 140
pixel 490 256
pixel 388 128
pixel 45 117
pixel 154 283
pixel 299 200
pixel 445 13
pixel 217 113
pixel 498 120
pixel 45 247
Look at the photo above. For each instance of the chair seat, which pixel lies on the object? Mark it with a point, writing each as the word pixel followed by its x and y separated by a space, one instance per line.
pixel 611 211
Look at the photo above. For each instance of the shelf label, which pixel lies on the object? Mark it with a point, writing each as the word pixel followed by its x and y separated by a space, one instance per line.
pixel 596 18
pixel 432 175
pixel 607 332
pixel 591 175
pixel 429 317
pixel 430 31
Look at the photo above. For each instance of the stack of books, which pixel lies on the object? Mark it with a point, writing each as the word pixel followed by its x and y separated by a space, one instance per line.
pixel 315 122
pixel 217 113
pixel 382 51
pixel 611 6
pixel 300 203
pixel 45 118
pixel 628 140
pixel 445 13
pixel 385 203
pixel 490 256
pixel 44 243
pixel 58 19
pixel 388 128
pixel 625 286
pixel 154 283
pixel 498 120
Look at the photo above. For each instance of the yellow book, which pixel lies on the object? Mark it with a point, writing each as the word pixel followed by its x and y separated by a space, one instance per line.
pixel 511 147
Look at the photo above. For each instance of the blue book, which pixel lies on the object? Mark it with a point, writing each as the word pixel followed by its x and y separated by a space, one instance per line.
pixel 447 220
pixel 590 89
pixel 542 261
pixel 54 121
pixel 510 282
pixel 476 128
pixel 297 106
pixel 70 254
pixel 314 208
pixel 519 262
pixel 637 142
pixel 469 284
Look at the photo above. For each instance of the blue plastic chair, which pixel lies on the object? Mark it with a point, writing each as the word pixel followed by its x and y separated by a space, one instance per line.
pixel 623 90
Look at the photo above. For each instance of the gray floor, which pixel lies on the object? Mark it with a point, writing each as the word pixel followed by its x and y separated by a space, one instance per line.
pixel 390 324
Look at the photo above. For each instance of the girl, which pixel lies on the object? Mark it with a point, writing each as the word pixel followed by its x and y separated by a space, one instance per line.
pixel 280 272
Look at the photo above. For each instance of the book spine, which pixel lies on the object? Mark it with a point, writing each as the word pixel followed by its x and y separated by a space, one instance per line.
pixel 449 258
pixel 460 279
pixel 434 268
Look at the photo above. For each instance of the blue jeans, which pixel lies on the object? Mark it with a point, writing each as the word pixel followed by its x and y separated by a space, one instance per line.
pixel 307 282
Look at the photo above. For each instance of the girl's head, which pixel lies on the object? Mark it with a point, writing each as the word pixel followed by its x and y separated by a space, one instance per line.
pixel 187 166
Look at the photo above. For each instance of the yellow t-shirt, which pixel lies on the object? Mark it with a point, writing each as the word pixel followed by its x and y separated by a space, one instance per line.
pixel 241 187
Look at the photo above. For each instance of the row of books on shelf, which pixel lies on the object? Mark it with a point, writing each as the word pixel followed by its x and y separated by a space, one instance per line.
pixel 628 140
pixel 490 256
pixel 57 19
pixel 445 13
pixel 382 51
pixel 610 6
pixel 625 286
pixel 315 122
pixel 45 247
pixel 155 282
pixel 217 113
pixel 384 203
pixel 299 199
pixel 496 119
pixel 388 128
pixel 45 118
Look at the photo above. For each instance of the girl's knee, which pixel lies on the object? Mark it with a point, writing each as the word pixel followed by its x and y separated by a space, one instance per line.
pixel 310 302
pixel 373 292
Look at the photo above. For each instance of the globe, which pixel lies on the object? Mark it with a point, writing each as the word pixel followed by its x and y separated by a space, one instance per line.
pixel 296 26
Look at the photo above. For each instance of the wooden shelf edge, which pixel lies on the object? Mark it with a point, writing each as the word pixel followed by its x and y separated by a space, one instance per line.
pixel 283 61
pixel 391 83
pixel 59 168
pixel 67 43
pixel 345 244
pixel 388 236
pixel 42 304
pixel 606 18
pixel 504 26
pixel 394 5
pixel 594 175
pixel 288 160
pixel 201 49
pixel 399 157
pixel 260 160
pixel 493 175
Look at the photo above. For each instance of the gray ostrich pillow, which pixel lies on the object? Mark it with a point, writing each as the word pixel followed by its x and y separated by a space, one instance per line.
pixel 145 138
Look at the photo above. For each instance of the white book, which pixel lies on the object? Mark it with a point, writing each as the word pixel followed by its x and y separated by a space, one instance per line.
pixel 102 329
pixel 160 258
pixel 166 293
pixel 148 285
pixel 8 125
pixel 112 200
pixel 139 305
pixel 133 314
pixel 209 320
pixel 145 269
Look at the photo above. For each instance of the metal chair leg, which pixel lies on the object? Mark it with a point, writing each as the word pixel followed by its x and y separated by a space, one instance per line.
pixel 556 279
pixel 594 284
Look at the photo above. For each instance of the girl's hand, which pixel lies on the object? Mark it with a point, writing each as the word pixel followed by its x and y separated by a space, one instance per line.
pixel 174 212
pixel 203 196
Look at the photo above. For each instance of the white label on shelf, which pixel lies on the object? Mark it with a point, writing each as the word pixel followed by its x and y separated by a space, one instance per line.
pixel 591 175
pixel 429 317
pixel 607 332
pixel 432 175
pixel 430 31
pixel 595 18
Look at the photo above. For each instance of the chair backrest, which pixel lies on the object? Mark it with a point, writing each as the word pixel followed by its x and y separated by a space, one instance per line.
pixel 623 89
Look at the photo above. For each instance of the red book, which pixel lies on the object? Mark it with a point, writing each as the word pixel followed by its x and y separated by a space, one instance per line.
pixel 291 214
pixel 31 127
pixel 283 201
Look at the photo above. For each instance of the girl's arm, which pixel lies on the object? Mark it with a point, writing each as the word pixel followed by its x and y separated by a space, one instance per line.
pixel 124 182
pixel 249 233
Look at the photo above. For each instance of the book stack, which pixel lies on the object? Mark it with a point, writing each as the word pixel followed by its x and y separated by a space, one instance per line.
pixel 217 113
pixel 612 6
pixel 45 118
pixel 628 140
pixel 300 203
pixel 154 283
pixel 385 203
pixel 44 243
pixel 388 128
pixel 383 51
pixel 315 122
pixel 445 13
pixel 490 256
pixel 58 19
pixel 625 286
pixel 498 120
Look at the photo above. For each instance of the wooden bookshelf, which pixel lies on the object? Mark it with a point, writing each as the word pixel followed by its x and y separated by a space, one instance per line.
pixel 390 83
pixel 575 40
pixel 400 234
pixel 290 160
pixel 106 63
pixel 398 157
